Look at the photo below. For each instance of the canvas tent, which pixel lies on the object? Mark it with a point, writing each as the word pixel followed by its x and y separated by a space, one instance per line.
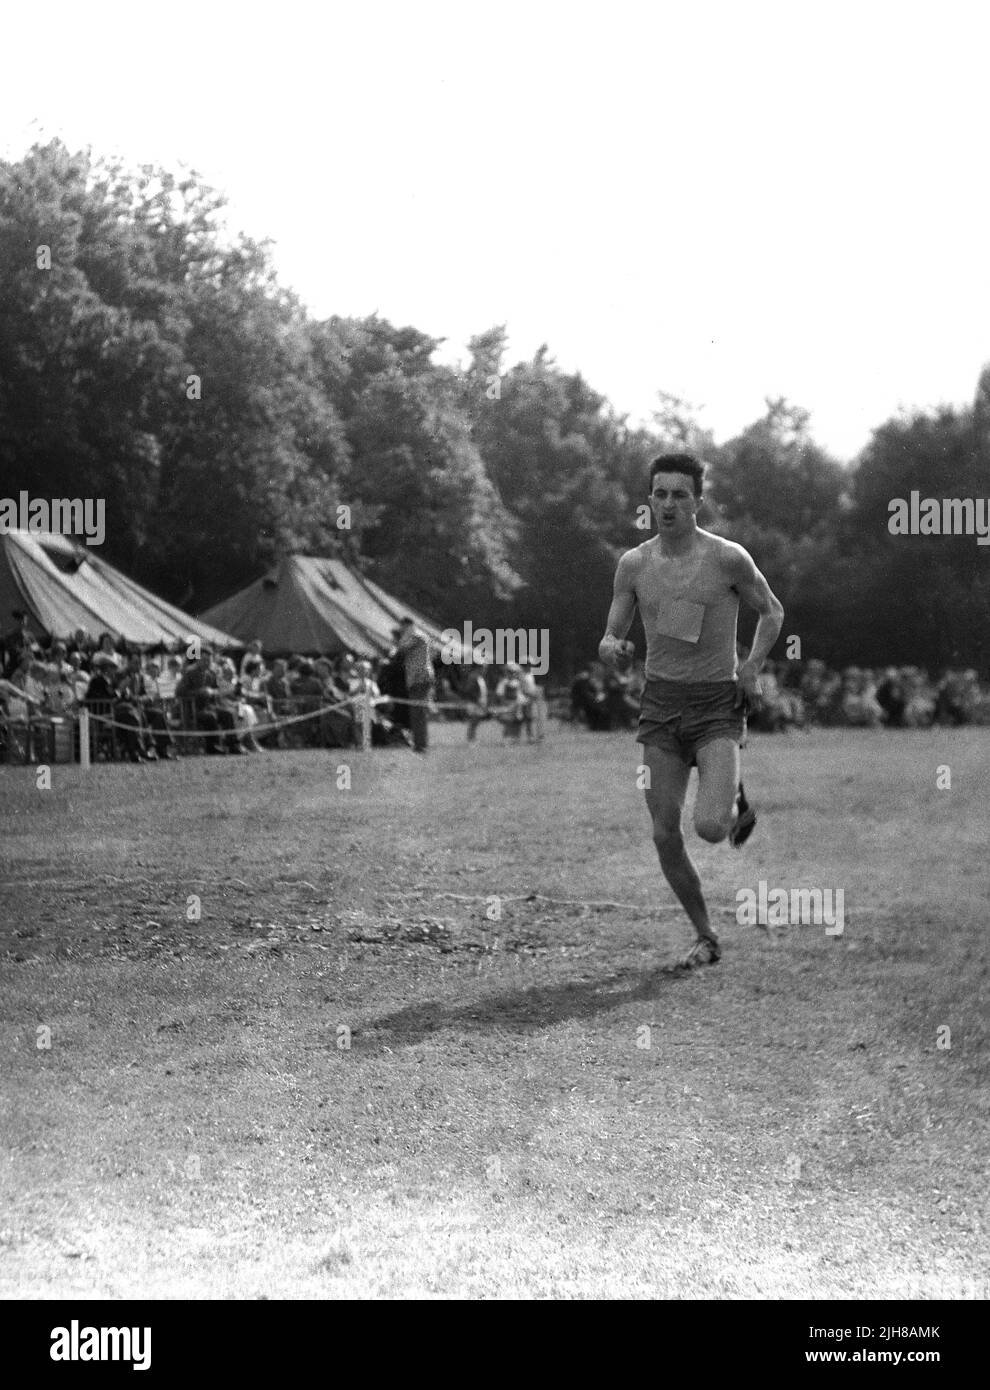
pixel 308 606
pixel 63 586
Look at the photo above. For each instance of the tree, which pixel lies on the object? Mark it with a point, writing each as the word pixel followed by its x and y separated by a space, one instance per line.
pixel 157 365
pixel 929 594
pixel 427 516
pixel 678 428
pixel 571 473
pixel 775 472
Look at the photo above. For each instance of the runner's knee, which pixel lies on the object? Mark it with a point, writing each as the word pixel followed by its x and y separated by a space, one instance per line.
pixel 711 828
pixel 667 835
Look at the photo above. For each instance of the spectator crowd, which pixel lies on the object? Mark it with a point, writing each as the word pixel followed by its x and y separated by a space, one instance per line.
pixel 795 694
pixel 147 706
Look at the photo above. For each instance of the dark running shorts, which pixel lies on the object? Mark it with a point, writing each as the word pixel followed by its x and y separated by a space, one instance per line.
pixel 682 717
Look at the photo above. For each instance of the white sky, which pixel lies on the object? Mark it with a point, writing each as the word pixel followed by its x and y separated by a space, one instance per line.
pixel 721 200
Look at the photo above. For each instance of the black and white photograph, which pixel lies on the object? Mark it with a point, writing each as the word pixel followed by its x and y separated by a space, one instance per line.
pixel 495 664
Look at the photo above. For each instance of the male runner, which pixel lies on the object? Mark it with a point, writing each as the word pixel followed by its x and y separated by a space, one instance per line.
pixel 688 584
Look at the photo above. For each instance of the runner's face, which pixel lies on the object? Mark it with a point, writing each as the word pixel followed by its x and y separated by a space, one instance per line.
pixel 674 503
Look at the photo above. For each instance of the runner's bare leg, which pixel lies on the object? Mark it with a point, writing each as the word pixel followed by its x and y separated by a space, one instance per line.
pixel 718 782
pixel 665 801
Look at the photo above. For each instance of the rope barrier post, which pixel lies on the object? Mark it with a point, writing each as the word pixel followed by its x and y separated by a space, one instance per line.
pixel 84 738
pixel 366 721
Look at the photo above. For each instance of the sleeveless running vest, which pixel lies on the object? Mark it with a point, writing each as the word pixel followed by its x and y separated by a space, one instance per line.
pixel 689 617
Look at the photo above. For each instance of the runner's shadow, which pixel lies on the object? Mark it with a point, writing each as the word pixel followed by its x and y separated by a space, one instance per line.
pixel 524 1010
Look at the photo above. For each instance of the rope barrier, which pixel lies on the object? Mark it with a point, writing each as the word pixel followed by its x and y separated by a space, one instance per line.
pixel 283 723
pixel 259 728
pixel 429 704
pixel 296 718
pixel 287 720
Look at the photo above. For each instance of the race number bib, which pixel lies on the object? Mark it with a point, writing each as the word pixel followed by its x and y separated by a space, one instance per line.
pixel 681 619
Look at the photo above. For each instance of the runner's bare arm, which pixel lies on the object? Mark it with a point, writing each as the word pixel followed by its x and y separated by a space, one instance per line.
pixel 753 589
pixel 620 614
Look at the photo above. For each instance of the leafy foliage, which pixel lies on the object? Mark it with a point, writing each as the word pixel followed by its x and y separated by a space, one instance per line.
pixel 157 363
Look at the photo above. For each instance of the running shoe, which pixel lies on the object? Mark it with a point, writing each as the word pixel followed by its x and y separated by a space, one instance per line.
pixel 744 823
pixel 705 951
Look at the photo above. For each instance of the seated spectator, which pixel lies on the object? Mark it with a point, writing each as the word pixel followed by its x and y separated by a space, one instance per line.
pixel 859 704
pixel 198 685
pixel 168 677
pixel 919 710
pixel 830 704
pixel 277 691
pixel 107 647
pixel 956 698
pixel 307 685
pixel 22 696
pixel 253 689
pixel 814 690
pixel 230 697
pixel 789 699
pixel 25 690
pixel 511 703
pixel 83 646
pixel 61 697
pixel 276 684
pixel 145 689
pixel 766 712
pixel 132 696
pixel 892 698
pixel 78 677
pixel 981 706
pixel 338 727
pixel 323 670
pixel 308 696
pixel 118 707
pixel 253 655
pixel 292 666
pixel 588 699
pixel 102 687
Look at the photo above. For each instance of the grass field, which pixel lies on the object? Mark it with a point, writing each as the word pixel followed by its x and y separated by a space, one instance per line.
pixel 498 1126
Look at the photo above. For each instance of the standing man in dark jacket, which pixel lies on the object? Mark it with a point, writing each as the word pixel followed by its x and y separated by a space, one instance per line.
pixel 414 648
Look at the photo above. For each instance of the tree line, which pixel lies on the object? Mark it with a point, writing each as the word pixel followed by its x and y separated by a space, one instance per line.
pixel 149 356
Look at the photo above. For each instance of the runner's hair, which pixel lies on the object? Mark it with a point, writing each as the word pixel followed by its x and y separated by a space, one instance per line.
pixel 680 463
